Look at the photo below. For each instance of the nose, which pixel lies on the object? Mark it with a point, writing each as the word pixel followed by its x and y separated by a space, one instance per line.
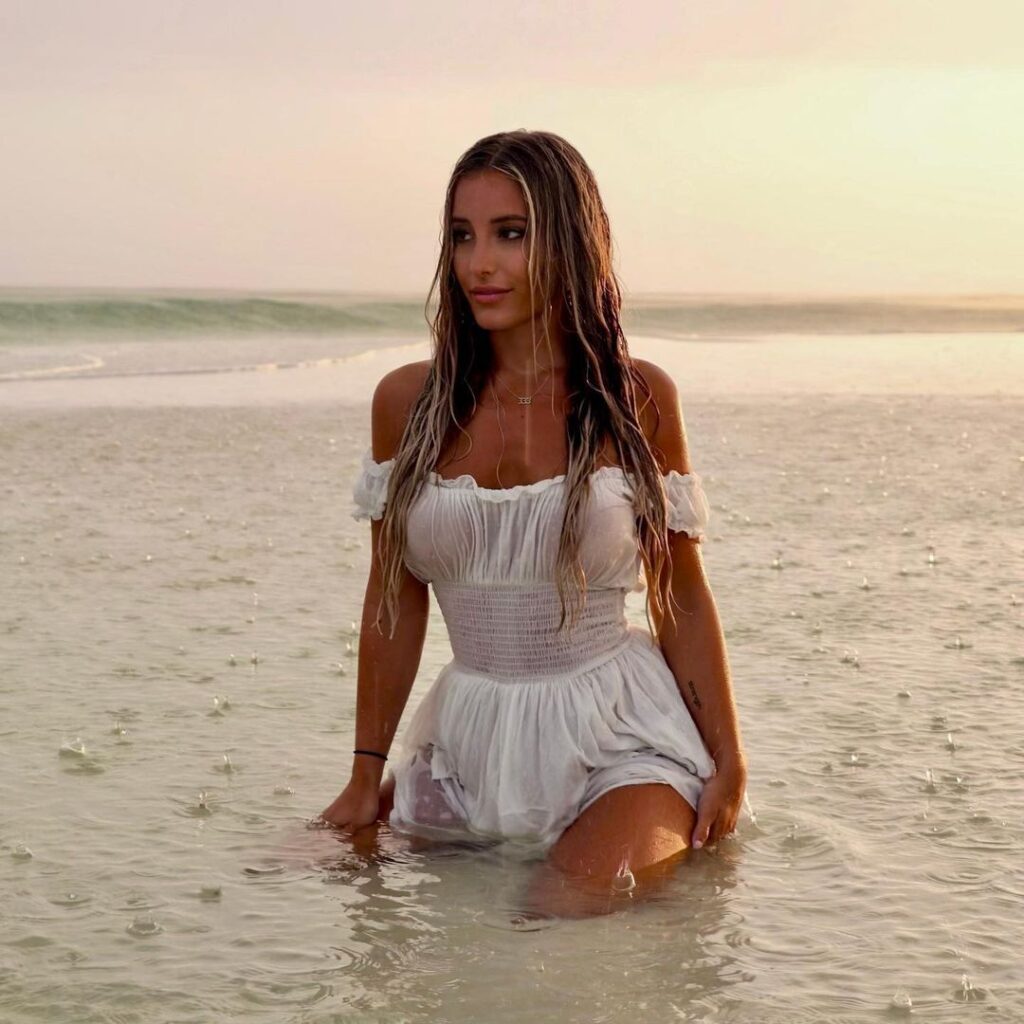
pixel 481 258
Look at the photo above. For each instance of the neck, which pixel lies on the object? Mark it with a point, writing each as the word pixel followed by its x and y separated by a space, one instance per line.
pixel 516 358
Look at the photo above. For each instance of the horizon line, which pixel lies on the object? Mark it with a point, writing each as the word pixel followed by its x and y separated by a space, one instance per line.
pixel 411 296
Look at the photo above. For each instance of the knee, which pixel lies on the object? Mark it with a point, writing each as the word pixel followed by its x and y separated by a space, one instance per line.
pixel 622 869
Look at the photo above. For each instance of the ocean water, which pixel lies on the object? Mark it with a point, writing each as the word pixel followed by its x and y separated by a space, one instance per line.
pixel 180 584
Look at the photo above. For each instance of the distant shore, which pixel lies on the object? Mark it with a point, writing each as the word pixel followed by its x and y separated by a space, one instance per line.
pixel 151 374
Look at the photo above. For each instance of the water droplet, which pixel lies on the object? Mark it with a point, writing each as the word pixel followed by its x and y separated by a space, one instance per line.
pixel 901 1003
pixel 624 881
pixel 968 992
pixel 144 925
pixel 73 749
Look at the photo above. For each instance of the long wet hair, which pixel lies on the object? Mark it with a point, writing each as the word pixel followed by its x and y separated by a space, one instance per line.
pixel 569 263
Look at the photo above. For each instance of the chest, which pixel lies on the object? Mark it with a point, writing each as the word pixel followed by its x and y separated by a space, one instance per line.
pixel 501 449
pixel 460 531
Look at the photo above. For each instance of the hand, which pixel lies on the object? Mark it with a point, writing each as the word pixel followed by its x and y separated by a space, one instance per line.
pixel 357 806
pixel 719 805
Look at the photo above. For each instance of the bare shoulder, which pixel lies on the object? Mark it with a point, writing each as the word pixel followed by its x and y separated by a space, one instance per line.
pixel 661 416
pixel 393 398
pixel 663 387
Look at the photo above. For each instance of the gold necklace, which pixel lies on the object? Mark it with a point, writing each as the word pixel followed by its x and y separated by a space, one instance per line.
pixel 524 399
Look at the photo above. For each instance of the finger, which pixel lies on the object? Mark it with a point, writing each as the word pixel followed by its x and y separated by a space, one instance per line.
pixel 701 831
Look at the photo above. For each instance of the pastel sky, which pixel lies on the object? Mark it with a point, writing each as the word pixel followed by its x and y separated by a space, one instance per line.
pixel 752 146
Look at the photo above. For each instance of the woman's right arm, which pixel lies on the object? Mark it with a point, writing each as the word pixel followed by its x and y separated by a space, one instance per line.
pixel 387 664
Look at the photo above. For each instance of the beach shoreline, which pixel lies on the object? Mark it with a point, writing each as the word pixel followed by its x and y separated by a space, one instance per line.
pixel 755 366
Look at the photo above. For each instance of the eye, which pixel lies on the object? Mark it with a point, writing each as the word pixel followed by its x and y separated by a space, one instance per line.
pixel 509 234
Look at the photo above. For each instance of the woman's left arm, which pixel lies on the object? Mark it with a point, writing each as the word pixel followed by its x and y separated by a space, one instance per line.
pixel 694 646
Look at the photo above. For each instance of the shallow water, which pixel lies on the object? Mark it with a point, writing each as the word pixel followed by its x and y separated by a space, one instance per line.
pixel 865 552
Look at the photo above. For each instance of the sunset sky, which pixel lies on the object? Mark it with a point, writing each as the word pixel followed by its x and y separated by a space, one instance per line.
pixel 792 146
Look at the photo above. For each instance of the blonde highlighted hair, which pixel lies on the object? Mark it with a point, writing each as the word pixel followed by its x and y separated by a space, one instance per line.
pixel 570 264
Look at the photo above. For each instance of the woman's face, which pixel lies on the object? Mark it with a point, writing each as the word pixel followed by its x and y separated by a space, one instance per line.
pixel 489 249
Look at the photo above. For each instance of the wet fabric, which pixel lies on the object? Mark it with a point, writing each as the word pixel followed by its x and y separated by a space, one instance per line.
pixel 526 727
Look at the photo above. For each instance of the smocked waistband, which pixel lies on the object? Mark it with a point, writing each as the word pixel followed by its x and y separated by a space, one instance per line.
pixel 511 631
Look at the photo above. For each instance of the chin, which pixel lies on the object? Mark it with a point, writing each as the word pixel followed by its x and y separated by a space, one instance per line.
pixel 491 320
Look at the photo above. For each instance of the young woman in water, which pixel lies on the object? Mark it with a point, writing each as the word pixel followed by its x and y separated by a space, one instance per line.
pixel 533 473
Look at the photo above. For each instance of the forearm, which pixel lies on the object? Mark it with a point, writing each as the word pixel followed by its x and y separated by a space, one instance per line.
pixel 387 671
pixel 695 651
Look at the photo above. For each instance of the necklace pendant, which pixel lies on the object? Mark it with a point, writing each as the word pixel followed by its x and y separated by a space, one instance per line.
pixel 525 399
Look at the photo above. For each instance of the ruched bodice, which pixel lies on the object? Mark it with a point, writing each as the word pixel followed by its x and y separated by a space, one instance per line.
pixel 510 630
pixel 527 725
pixel 461 532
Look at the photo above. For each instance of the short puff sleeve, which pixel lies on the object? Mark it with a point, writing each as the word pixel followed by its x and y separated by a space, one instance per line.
pixel 688 509
pixel 371 487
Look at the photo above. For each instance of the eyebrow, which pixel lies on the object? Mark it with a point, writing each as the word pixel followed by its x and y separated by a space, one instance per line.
pixel 494 220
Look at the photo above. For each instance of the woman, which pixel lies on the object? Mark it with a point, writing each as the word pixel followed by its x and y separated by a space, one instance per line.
pixel 528 472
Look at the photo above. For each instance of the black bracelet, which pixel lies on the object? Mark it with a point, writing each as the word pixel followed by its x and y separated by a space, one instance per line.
pixel 372 753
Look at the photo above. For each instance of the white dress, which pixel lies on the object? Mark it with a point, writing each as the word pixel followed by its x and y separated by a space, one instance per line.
pixel 524 728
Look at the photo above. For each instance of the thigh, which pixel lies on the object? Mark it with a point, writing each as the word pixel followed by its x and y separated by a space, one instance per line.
pixel 624 846
pixel 634 827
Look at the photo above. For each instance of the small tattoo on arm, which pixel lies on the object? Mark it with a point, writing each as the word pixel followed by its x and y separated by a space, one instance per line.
pixel 693 693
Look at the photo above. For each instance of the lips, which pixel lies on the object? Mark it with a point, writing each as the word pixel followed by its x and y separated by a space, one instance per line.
pixel 485 292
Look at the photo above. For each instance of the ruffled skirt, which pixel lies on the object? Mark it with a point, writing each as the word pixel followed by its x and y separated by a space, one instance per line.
pixel 518 760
